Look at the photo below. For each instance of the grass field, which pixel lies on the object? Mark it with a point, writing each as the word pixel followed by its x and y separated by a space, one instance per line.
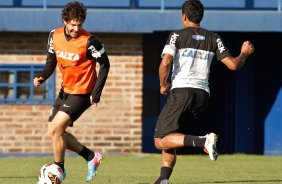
pixel 141 169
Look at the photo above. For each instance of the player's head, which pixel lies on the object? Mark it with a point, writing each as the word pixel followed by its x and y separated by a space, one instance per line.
pixel 194 10
pixel 73 16
pixel 74 11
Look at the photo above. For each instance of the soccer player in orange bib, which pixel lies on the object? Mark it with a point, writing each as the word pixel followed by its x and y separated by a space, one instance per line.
pixel 75 52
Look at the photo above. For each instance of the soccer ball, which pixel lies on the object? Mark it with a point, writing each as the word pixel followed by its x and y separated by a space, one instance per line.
pixel 51 174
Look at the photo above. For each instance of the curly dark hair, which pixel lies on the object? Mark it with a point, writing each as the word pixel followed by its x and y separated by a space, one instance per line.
pixel 194 10
pixel 74 11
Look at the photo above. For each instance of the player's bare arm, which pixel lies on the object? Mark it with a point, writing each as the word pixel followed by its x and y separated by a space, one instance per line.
pixel 164 72
pixel 238 62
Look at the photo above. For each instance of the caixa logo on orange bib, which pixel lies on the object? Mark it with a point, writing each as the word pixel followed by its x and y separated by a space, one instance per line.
pixel 67 55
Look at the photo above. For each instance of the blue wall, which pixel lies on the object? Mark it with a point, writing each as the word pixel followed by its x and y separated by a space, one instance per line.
pixel 273 128
pixel 148 4
pixel 143 16
pixel 245 105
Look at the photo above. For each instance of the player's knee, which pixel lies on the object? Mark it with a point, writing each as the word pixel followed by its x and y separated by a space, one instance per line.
pixel 158 143
pixel 55 132
pixel 49 134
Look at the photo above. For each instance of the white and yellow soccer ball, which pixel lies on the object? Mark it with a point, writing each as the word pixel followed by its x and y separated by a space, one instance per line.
pixel 50 174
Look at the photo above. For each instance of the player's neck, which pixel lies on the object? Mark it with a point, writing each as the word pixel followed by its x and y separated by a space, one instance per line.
pixel 192 25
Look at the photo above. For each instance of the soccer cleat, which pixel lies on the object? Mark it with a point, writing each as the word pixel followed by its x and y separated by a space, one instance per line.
pixel 93 166
pixel 210 146
pixel 64 175
pixel 164 182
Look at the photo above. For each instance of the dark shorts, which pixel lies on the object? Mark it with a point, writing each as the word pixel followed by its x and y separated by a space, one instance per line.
pixel 73 105
pixel 182 111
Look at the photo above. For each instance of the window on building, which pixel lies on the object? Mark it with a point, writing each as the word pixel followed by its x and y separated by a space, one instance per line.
pixel 16 85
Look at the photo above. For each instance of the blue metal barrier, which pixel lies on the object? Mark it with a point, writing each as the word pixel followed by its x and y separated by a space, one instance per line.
pixel 148 4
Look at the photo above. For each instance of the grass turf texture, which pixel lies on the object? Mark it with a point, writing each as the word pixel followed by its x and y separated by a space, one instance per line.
pixel 141 169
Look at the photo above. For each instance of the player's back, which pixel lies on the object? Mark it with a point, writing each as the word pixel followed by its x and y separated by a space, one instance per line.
pixel 196 38
pixel 193 50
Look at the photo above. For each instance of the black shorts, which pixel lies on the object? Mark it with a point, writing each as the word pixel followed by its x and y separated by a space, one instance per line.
pixel 183 109
pixel 73 105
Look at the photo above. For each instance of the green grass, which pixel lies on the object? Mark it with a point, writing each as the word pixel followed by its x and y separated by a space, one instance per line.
pixel 127 169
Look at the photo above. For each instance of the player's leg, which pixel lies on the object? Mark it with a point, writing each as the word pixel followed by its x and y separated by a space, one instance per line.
pixel 92 158
pixel 183 110
pixel 198 109
pixel 171 141
pixel 178 140
pixel 168 162
pixel 56 131
pixel 74 145
pixel 168 124
pixel 173 120
pixel 79 103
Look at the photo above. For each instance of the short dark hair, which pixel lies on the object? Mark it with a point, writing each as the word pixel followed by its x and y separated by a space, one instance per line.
pixel 74 11
pixel 194 10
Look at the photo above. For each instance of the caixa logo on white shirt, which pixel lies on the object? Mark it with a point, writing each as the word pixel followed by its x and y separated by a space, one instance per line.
pixel 173 39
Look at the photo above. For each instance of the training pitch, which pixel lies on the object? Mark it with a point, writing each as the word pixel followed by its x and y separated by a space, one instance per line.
pixel 144 168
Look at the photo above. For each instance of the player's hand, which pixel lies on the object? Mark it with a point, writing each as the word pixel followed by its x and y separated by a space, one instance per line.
pixel 247 48
pixel 37 81
pixel 165 89
pixel 93 103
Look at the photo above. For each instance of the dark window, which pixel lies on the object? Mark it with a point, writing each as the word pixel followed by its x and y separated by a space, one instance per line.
pixel 16 85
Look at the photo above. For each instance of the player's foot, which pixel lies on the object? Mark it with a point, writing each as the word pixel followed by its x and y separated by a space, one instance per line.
pixel 64 175
pixel 210 145
pixel 165 181
pixel 93 166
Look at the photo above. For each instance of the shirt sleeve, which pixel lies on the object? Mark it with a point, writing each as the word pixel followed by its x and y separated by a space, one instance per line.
pixel 51 60
pixel 96 51
pixel 171 44
pixel 221 50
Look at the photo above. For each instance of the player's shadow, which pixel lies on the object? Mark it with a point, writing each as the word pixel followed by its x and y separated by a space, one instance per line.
pixel 11 177
pixel 237 181
pixel 246 181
